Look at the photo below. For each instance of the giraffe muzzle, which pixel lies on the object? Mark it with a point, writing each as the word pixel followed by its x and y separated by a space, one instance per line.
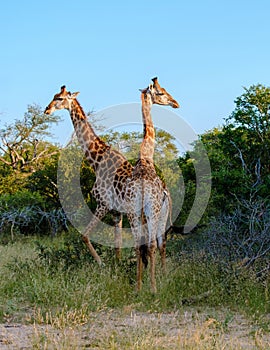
pixel 48 110
pixel 175 104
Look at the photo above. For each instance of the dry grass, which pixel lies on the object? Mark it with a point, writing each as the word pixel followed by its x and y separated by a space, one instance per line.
pixel 128 329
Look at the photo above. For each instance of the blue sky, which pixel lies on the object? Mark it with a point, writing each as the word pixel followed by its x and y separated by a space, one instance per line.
pixel 204 53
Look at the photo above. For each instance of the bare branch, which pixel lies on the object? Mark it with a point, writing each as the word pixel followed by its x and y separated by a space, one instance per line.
pixel 240 155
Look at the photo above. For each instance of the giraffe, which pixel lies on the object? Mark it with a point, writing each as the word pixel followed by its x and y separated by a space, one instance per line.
pixel 155 94
pixel 110 166
pixel 113 171
pixel 146 194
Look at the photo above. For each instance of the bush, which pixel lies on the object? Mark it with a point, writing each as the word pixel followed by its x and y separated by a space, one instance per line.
pixel 71 253
pixel 235 242
pixel 24 213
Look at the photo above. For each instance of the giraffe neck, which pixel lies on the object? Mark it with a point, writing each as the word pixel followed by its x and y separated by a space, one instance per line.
pixel 93 147
pixel 148 143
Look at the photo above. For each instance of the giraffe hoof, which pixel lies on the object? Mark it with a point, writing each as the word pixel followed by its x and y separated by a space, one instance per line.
pixel 101 264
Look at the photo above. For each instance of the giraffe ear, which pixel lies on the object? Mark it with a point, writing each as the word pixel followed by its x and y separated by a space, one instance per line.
pixel 143 90
pixel 74 94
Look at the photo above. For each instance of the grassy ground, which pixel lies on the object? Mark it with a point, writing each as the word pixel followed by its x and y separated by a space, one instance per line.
pixel 57 305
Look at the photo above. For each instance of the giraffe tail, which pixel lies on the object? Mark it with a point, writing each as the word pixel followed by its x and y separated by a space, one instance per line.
pixel 144 254
pixel 143 246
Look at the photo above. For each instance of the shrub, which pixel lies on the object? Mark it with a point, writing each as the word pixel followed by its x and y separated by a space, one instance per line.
pixel 242 239
pixel 24 213
pixel 71 253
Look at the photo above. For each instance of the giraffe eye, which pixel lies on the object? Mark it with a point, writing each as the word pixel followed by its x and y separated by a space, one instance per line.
pixel 159 94
pixel 59 99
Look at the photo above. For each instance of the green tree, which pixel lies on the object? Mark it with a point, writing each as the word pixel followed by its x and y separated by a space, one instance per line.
pixel 238 154
pixel 20 141
pixel 44 179
pixel 24 149
pixel 248 131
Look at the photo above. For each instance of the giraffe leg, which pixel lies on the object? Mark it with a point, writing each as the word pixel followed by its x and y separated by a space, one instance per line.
pixel 152 255
pixel 161 237
pixel 92 250
pixel 136 228
pixel 100 212
pixel 152 224
pixel 139 269
pixel 117 218
pixel 161 242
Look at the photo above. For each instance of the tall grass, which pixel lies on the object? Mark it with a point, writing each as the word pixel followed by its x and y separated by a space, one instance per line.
pixel 59 288
pixel 28 283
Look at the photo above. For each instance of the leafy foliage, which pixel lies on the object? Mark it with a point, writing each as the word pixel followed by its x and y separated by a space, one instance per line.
pixel 28 196
pixel 72 253
pixel 238 153
pixel 236 235
pixel 20 141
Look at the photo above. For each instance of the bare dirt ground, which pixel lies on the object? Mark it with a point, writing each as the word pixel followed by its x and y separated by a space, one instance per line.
pixel 126 329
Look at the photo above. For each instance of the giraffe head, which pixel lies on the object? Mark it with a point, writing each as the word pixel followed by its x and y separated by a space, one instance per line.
pixel 159 95
pixel 61 100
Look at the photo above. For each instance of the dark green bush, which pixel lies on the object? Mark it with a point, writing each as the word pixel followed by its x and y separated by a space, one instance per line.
pixel 71 253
